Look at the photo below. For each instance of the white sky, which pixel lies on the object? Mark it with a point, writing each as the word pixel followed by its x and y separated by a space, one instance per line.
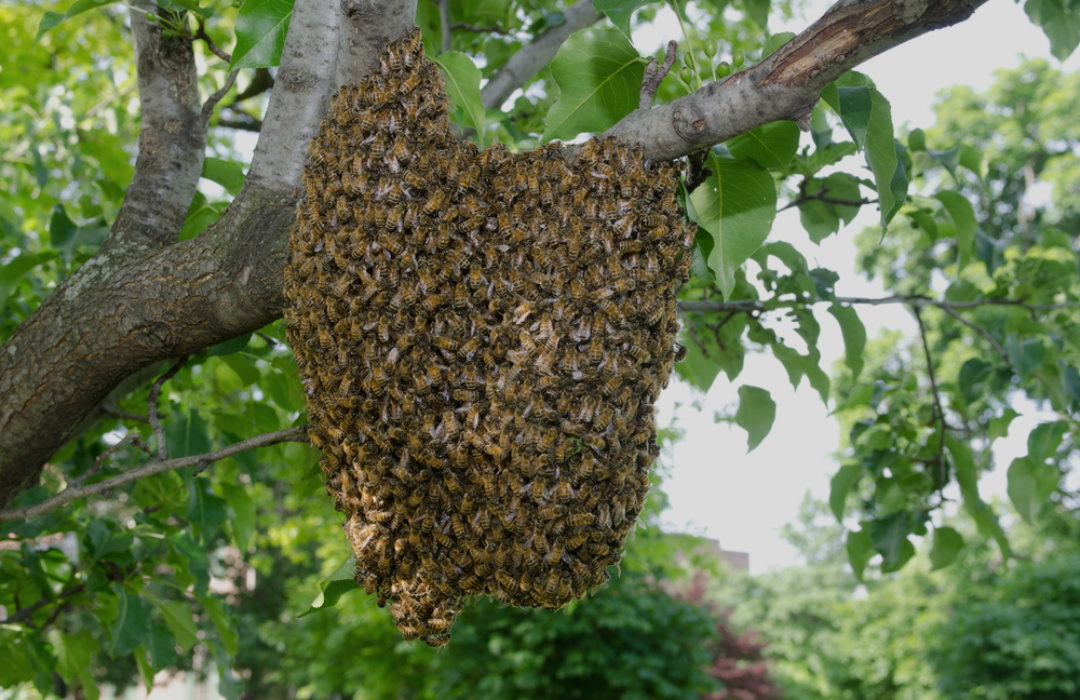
pixel 740 499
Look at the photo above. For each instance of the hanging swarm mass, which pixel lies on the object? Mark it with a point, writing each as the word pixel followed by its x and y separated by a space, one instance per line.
pixel 482 336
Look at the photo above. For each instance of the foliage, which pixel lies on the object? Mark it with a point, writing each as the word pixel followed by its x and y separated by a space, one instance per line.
pixel 159 575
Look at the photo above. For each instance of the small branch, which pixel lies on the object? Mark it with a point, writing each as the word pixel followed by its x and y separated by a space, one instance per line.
pixel 211 102
pixel 261 82
pixel 123 415
pixel 528 61
pixel 822 196
pixel 761 306
pixel 490 29
pixel 24 614
pixel 246 122
pixel 200 33
pixel 152 412
pixel 654 75
pixel 129 438
pixel 980 330
pixel 939 412
pixel 68 495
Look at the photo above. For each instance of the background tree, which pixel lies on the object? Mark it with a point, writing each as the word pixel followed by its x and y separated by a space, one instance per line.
pixel 142 344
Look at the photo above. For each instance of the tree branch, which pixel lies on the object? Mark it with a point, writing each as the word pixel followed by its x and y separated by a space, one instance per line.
pixel 115 317
pixel 172 137
pixel 939 412
pixel 367 26
pixel 530 59
pixel 764 305
pixel 68 495
pixel 787 83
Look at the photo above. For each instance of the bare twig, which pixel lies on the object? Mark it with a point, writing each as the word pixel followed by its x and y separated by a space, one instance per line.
pixel 245 123
pixel 68 495
pixel 123 415
pixel 655 75
pixel 490 29
pixel 200 33
pixel 939 412
pixel 211 102
pixel 129 438
pixel 914 300
pixel 152 412
pixel 978 329
pixel 24 614
pixel 822 196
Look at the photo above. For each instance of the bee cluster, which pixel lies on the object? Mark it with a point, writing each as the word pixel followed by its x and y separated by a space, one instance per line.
pixel 482 336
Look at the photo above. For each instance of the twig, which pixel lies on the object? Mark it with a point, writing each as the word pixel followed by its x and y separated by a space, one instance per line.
pixel 130 437
pixel 939 412
pixel 654 76
pixel 124 415
pixel 690 330
pixel 25 613
pixel 248 123
pixel 200 33
pixel 760 306
pixel 490 29
pixel 980 330
pixel 211 102
pixel 68 495
pixel 152 412
pixel 821 196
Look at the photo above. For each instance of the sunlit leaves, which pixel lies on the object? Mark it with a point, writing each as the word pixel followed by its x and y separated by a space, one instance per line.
pixel 339 583
pixel 736 206
pixel 854 334
pixel 51 19
pixel 946 546
pixel 260 33
pixel 599 76
pixel 772 145
pixel 619 12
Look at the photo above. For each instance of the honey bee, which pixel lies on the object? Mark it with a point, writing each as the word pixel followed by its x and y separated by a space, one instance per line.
pixel 680 352
pixel 435 202
pixel 427 380
pixel 432 302
pixel 465 396
pixel 576 541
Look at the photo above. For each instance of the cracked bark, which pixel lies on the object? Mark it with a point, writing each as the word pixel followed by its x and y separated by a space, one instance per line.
pixel 134 305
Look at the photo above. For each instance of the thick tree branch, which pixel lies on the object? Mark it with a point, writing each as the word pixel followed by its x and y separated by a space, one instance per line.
pixel 114 317
pixel 786 84
pixel 150 468
pixel 110 320
pixel 367 26
pixel 172 137
pixel 530 59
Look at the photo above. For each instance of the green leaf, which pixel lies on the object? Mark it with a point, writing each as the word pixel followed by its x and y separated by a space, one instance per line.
pixel 1031 483
pixel 854 333
pixel 226 628
pixel 736 206
pixel 599 76
pixel 463 86
pixel 822 218
pixel 178 618
pixel 839 487
pixel 619 12
pixel 205 511
pixel 1060 21
pixel 772 146
pixel 331 590
pixel 971 377
pixel 756 413
pixel 242 521
pixel 132 624
pixel 227 173
pixel 75 659
pixel 51 19
pixel 1025 355
pixel 859 550
pixel 947 545
pixel 890 539
pixel 13 272
pixel 1044 440
pixel 963 217
pixel 868 118
pixel 967 477
pixel 261 26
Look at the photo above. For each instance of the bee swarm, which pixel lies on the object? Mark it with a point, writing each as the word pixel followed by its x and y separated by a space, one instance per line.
pixel 482 336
